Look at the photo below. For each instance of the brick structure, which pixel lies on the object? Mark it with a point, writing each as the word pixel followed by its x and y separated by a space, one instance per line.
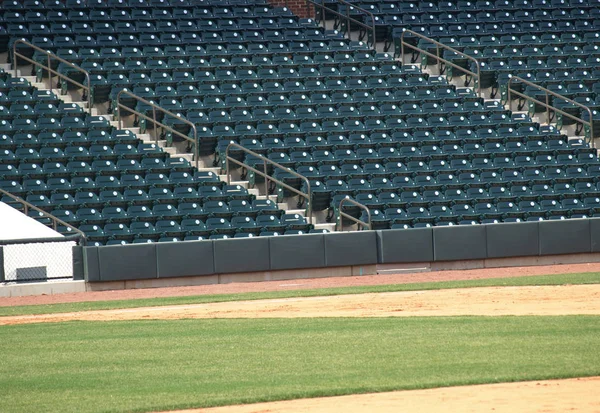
pixel 299 7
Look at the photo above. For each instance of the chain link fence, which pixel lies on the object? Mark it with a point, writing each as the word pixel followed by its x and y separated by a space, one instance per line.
pixel 37 259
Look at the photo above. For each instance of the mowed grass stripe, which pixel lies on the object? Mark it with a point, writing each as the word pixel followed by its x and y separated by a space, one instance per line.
pixel 161 365
pixel 560 279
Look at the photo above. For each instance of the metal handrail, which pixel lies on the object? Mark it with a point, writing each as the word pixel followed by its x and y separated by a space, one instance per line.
pixel 548 106
pixel 55 221
pixel 51 71
pixel 324 8
pixel 342 214
pixel 306 195
pixel 153 119
pixel 441 59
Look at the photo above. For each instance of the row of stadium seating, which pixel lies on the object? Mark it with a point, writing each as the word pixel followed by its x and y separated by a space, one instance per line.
pixel 220 6
pixel 355 122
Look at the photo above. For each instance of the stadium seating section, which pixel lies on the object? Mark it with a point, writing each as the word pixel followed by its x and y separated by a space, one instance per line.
pixel 414 148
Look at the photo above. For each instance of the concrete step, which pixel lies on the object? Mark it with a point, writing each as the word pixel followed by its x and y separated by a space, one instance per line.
pixel 187 156
pixel 26 73
pixel 243 184
pixel 271 197
pixel 328 226
pixel 574 137
pixel 6 66
pixel 137 131
pixel 147 138
pixel 108 116
pixel 296 211
pixel 213 170
pixel 254 191
pixel 95 113
pixel 84 106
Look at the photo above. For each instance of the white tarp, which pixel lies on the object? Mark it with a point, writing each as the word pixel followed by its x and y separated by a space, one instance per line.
pixel 16 225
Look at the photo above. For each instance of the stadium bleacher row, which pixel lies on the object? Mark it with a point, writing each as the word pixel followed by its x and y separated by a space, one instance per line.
pixel 413 147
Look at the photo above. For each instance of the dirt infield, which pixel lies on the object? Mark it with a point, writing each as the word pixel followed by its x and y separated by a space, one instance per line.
pixel 488 301
pixel 552 396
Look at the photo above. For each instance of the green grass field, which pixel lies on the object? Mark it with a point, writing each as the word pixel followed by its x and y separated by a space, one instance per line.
pixel 154 365
pixel 160 365
pixel 560 279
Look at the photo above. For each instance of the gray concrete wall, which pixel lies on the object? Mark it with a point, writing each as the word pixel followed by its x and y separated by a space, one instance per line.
pixel 290 257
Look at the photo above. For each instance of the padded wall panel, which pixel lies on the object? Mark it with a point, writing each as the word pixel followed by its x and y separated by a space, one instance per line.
pixel 405 245
pixel 350 248
pixel 464 242
pixel 78 273
pixel 241 255
pixel 297 251
pixel 127 262
pixel 565 237
pixel 2 276
pixel 595 234
pixel 91 264
pixel 513 239
pixel 180 259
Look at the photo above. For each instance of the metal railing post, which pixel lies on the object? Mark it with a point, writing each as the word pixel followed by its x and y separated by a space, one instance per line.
pixel 441 59
pixel 49 74
pixel 227 169
pixel 342 214
pixel 155 107
pixel 401 52
pixel 51 71
pixel 154 121
pixel 509 94
pixel 196 145
pixel 307 195
pixel 266 180
pixel 347 17
pixel 119 117
pixel 478 79
pixel 348 20
pixel 549 107
pixel 374 31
